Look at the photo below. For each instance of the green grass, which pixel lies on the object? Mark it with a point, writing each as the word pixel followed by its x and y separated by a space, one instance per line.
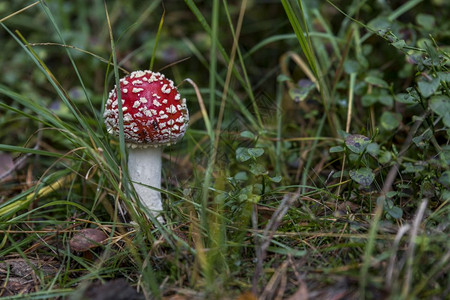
pixel 316 163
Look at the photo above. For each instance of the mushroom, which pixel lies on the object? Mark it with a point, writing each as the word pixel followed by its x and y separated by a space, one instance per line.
pixel 154 115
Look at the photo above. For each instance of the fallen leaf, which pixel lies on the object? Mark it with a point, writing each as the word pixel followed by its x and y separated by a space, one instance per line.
pixel 87 239
pixel 247 296
pixel 6 164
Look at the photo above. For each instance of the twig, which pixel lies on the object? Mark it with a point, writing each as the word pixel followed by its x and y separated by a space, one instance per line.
pixel 410 253
pixel 390 270
pixel 278 276
pixel 18 12
pixel 269 232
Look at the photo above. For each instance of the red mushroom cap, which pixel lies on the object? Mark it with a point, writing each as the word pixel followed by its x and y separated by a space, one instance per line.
pixel 154 113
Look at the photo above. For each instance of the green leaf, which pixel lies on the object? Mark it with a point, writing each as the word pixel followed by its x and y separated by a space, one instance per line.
pixel 357 143
pixel 369 99
pixel 444 155
pixel 276 179
pixel 380 23
pixel 376 81
pixel 342 133
pixel 247 134
pixel 385 157
pixel 242 154
pixel 405 98
pixel 258 169
pixel 395 212
pixel 351 66
pixel 241 176
pixel 391 194
pixel 243 197
pixel 353 157
pixel 386 100
pixel 444 76
pixel 221 197
pixel 283 78
pixel 373 149
pixel 428 87
pixel 410 168
pixel 336 149
pixel 257 188
pixel 446 119
pixel 422 140
pixel 400 44
pixel 302 92
pixel 363 176
pixel 426 21
pixel 445 178
pixel 441 106
pixel 390 120
pixel 255 152
pixel 445 195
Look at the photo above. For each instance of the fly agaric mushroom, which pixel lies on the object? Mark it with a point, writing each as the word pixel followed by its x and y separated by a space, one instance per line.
pixel 154 115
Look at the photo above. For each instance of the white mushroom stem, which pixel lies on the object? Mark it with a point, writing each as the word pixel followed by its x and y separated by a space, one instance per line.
pixel 144 166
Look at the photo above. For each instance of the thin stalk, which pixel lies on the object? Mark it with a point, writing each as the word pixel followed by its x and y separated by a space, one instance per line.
pixel 161 22
pixel 213 57
pixel 19 11
pixel 279 98
pixel 350 102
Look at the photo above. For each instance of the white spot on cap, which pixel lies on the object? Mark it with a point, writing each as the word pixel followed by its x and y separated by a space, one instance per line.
pixel 136 104
pixel 137 90
pixel 143 100
pixel 127 117
pixel 137 74
pixel 134 82
pixel 125 91
pixel 165 89
pixel 171 109
pixel 170 122
pixel 164 101
pixel 162 125
pixel 176 127
pixel 177 97
pixel 152 78
pixel 156 103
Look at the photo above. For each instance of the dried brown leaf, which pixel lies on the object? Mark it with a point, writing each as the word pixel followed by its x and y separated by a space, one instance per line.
pixel 87 239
